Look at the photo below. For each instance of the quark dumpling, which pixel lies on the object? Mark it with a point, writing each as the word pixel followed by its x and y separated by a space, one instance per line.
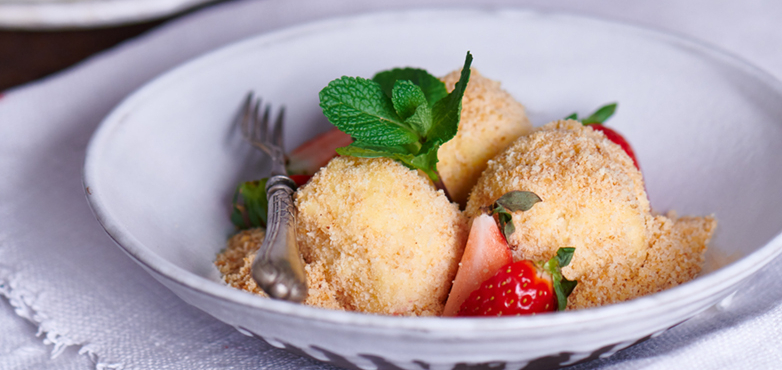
pixel 593 199
pixel 491 120
pixel 386 240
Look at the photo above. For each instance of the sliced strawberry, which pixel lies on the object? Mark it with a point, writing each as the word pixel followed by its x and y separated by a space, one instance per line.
pixel 317 152
pixel 485 253
pixel 522 288
pixel 618 139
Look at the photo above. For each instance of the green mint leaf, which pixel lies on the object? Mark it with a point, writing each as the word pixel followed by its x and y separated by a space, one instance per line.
pixel 404 114
pixel 359 108
pixel 364 150
pixel 410 104
pixel 432 87
pixel 250 205
pixel 426 161
pixel 406 97
pixel 446 112
pixel 601 115
pixel 518 200
pixel 421 120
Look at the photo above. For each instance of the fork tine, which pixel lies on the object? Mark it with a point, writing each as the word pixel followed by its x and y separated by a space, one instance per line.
pixel 264 124
pixel 254 129
pixel 246 116
pixel 277 133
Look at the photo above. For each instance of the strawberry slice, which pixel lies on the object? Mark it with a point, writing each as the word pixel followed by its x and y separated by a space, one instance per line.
pixel 523 288
pixel 485 253
pixel 317 152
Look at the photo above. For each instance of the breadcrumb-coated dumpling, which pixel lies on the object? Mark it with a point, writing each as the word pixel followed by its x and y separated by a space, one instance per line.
pixel 388 241
pixel 593 197
pixel 491 120
pixel 594 200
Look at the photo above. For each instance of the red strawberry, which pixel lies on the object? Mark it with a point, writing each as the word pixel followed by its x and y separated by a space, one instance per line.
pixel 485 253
pixel 523 288
pixel 317 152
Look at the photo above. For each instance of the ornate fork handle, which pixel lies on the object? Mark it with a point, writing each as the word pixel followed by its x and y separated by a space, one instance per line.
pixel 278 267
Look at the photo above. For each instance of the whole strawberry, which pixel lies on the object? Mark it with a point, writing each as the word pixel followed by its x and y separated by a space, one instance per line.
pixel 523 288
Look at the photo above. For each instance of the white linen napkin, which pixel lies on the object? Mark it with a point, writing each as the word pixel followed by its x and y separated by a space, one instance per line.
pixel 95 307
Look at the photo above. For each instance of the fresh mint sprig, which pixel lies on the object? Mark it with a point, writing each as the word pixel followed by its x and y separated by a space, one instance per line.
pixel 404 113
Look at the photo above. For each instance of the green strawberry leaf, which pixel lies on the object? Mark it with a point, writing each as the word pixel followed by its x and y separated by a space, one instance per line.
pixel 509 202
pixel 572 116
pixel 359 108
pixel 250 205
pixel 565 255
pixel 518 200
pixel 601 115
pixel 562 286
pixel 433 88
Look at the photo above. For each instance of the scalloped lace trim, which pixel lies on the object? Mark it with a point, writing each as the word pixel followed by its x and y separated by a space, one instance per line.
pixel 24 304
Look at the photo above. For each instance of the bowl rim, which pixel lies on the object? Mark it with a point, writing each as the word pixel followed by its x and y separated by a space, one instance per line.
pixel 699 288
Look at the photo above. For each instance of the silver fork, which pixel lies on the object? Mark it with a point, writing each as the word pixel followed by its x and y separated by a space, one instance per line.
pixel 278 268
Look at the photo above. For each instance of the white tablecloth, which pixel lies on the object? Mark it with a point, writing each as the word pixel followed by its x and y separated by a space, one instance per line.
pixel 73 300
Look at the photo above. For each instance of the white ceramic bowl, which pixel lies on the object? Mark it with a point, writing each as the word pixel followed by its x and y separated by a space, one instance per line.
pixel 162 167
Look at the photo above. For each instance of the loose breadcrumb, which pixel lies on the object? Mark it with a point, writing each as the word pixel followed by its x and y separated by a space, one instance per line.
pixel 236 260
pixel 593 200
pixel 491 119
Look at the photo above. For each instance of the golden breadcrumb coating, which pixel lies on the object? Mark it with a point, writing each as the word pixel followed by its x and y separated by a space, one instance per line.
pixel 490 121
pixel 388 242
pixel 236 260
pixel 589 193
pixel 675 256
pixel 593 200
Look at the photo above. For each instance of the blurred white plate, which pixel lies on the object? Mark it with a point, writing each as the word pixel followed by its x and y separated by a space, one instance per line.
pixel 162 167
pixel 57 14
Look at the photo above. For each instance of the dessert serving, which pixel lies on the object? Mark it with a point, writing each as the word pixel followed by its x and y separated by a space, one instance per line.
pixel 437 197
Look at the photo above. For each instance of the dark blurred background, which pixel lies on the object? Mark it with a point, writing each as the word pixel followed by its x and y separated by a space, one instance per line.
pixel 27 55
